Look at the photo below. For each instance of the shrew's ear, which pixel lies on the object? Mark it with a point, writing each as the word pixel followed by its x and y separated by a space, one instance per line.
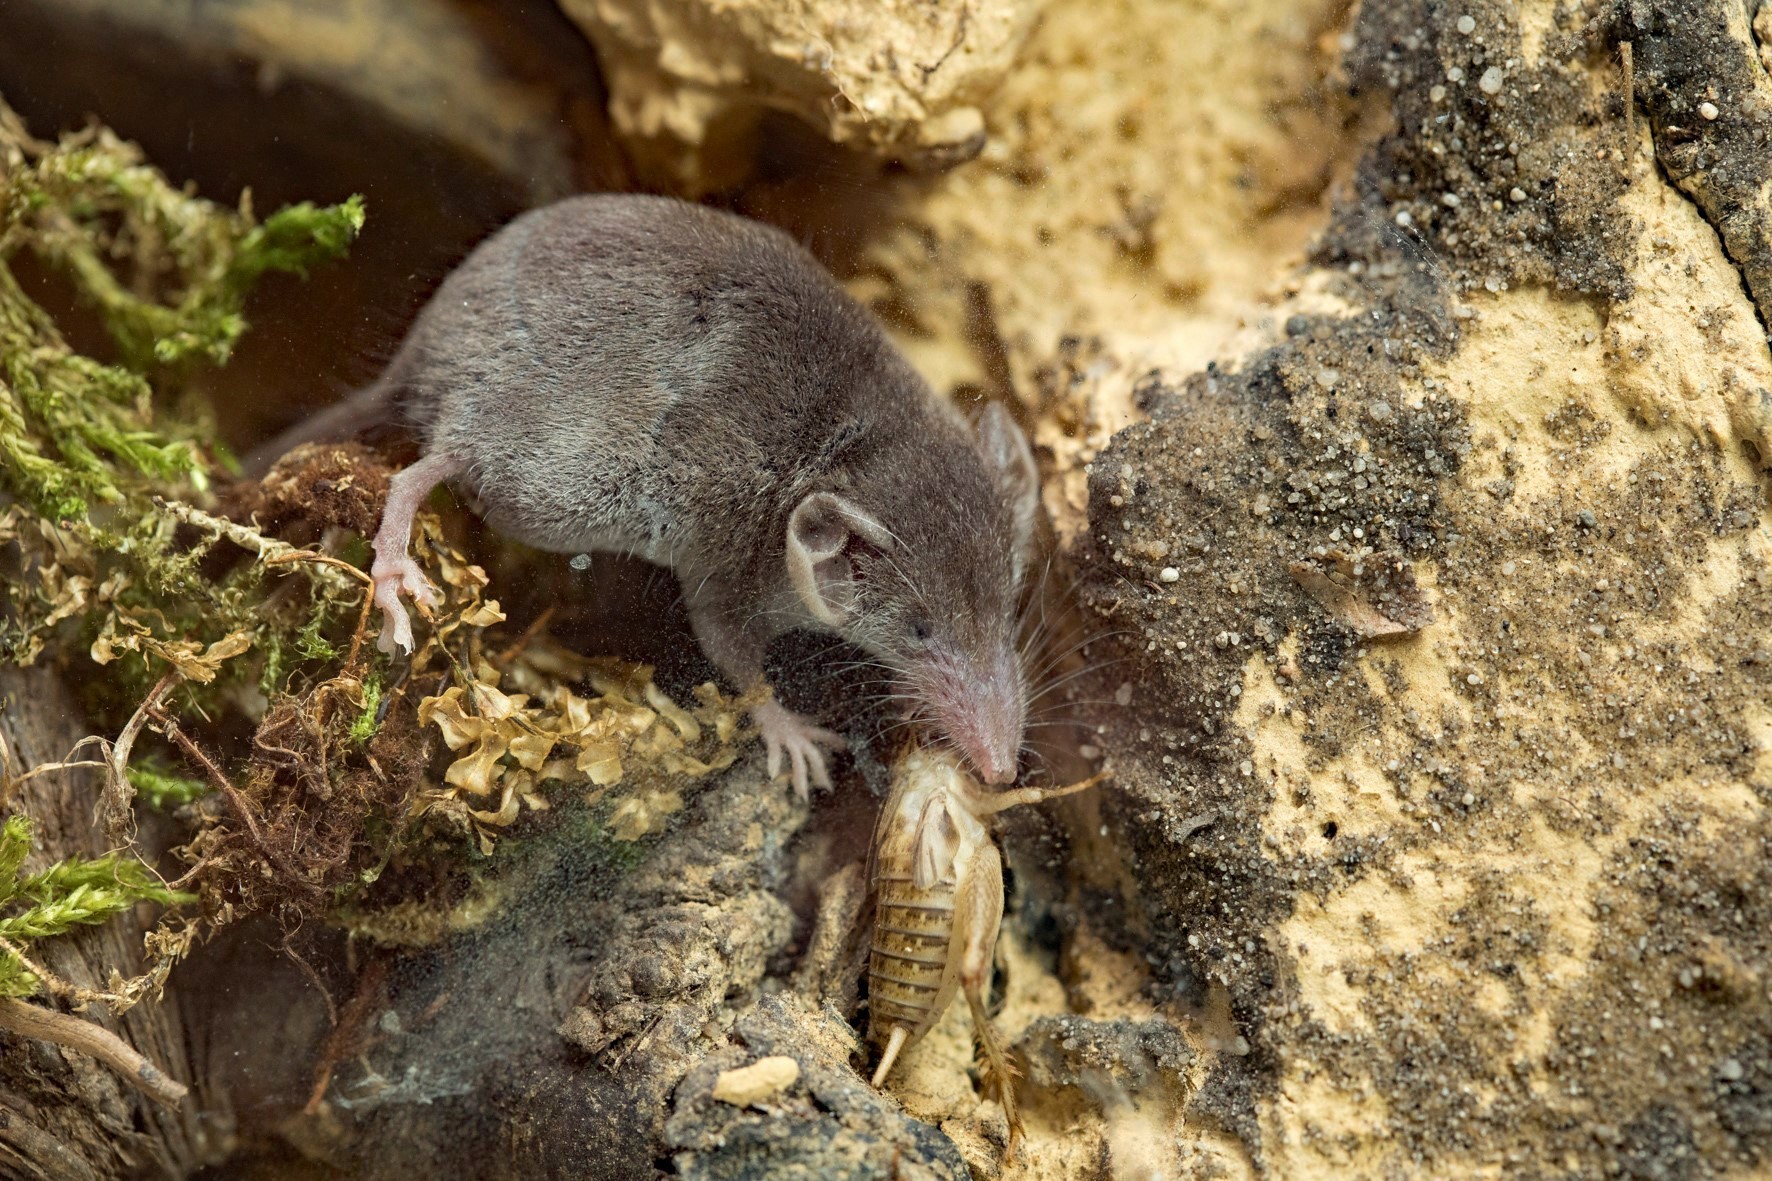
pixel 824 533
pixel 1011 463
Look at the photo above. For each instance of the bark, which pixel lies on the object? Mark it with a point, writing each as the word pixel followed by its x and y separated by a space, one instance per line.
pixel 66 1114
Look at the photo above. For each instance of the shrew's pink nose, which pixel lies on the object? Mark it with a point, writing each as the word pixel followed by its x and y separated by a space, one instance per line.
pixel 994 744
pixel 994 766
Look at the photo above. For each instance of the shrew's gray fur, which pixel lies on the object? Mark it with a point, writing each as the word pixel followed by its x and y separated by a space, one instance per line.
pixel 638 374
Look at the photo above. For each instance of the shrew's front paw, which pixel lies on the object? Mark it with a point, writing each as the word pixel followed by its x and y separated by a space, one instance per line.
pixel 804 743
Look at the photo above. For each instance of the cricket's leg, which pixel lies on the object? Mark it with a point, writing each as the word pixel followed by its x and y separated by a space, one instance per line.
pixel 978 914
pixel 989 802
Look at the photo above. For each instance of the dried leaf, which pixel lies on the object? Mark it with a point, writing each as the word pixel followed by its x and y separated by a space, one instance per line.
pixel 673 713
pixel 643 813
pixel 601 761
pixel 506 814
pixel 509 742
pixel 458 726
pixel 484 615
pixel 1374 594
pixel 531 750
pixel 475 771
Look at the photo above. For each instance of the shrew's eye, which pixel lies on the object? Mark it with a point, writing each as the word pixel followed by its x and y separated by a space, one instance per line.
pixel 920 632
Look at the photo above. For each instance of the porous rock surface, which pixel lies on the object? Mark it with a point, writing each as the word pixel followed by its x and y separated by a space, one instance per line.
pixel 1462 305
pixel 1488 897
pixel 899 79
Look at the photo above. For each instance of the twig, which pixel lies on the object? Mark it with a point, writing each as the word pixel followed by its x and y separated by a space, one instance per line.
pixel 267 548
pixel 34 1021
pixel 368 599
pixel 521 642
pixel 351 1034
pixel 113 805
pixel 221 781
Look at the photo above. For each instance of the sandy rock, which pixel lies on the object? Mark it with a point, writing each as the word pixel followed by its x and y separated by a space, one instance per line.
pixel 688 79
pixel 1699 76
pixel 1460 886
pixel 1070 1051
pixel 1489 896
pixel 1153 169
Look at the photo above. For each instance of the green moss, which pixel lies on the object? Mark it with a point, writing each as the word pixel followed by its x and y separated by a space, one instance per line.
pixel 71 893
pixel 363 728
pixel 76 432
pixel 169 275
pixel 310 644
pixel 163 791
pixel 293 239
pixel 167 272
pixel 92 198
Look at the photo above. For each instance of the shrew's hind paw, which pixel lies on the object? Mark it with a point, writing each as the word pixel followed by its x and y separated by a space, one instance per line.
pixel 394 577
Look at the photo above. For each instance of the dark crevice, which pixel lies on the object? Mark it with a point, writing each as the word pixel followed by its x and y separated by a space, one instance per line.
pixel 1711 123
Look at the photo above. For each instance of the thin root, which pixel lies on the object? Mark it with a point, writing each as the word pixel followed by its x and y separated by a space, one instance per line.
pixel 235 800
pixel 80 997
pixel 113 806
pixel 10 783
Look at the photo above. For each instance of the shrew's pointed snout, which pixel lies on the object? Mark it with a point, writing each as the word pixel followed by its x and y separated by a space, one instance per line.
pixel 983 711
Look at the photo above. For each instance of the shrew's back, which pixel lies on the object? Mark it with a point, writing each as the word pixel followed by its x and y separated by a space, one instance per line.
pixel 613 369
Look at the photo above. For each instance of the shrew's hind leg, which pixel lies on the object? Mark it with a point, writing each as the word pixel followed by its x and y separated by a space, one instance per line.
pixel 394 570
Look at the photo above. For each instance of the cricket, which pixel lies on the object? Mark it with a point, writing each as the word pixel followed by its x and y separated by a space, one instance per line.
pixel 937 881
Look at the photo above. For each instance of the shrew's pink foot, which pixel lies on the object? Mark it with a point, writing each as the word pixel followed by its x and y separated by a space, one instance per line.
pixel 394 576
pixel 804 742
pixel 394 570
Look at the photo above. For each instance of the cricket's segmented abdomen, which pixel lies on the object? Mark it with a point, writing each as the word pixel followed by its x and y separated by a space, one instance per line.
pixel 912 932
